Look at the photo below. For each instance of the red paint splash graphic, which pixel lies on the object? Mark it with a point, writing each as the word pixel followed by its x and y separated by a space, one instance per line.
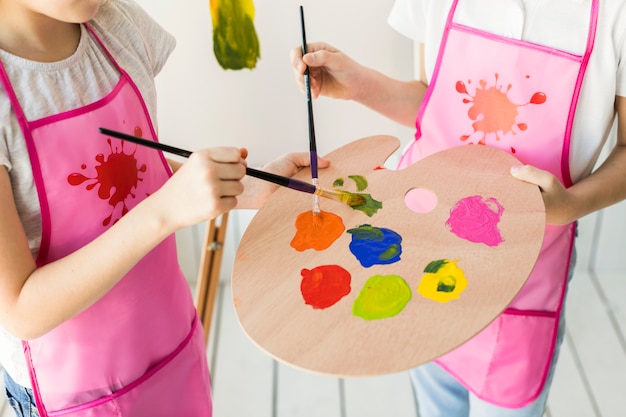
pixel 494 113
pixel 117 175
pixel 325 285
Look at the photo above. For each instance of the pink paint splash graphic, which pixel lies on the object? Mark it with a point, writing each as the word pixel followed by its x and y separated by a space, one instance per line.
pixel 476 219
pixel 494 114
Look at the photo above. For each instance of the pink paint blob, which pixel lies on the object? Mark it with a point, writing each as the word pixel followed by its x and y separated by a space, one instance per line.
pixel 476 219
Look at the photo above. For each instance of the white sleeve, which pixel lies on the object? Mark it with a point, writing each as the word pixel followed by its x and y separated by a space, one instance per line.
pixel 620 87
pixel 407 17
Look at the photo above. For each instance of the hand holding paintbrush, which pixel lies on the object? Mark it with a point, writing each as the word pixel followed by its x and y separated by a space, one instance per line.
pixel 351 199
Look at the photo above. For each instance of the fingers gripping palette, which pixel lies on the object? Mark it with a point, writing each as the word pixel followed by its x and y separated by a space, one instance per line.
pixel 438 251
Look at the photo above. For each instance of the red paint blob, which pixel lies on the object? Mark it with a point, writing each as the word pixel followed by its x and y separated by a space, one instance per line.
pixel 325 285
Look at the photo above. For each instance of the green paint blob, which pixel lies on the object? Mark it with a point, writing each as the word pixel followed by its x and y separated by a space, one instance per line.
pixel 360 181
pixel 370 206
pixel 446 284
pixel 359 201
pixel 367 232
pixel 382 296
pixel 392 252
pixel 235 42
pixel 338 182
pixel 435 266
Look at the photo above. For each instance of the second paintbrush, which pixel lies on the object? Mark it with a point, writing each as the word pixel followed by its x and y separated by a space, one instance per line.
pixel 351 199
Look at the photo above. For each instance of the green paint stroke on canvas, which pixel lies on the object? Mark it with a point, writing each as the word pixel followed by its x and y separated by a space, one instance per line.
pixel 235 42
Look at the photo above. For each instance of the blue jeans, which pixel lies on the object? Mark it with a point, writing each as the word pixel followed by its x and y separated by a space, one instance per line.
pixel 439 394
pixel 19 398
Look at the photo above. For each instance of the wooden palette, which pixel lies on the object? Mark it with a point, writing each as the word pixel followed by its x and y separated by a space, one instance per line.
pixel 267 278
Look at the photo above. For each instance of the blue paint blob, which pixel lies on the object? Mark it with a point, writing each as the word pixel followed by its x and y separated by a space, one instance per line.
pixel 375 246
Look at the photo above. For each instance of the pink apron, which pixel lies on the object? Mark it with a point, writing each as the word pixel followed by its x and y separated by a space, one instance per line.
pixel 519 97
pixel 138 351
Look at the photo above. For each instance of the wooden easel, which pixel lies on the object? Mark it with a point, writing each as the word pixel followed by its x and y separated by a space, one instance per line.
pixel 209 271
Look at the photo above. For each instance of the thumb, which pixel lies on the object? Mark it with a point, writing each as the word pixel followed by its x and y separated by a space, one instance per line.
pixel 314 59
pixel 531 174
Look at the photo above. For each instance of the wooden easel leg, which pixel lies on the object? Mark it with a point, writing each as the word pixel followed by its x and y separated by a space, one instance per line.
pixel 209 273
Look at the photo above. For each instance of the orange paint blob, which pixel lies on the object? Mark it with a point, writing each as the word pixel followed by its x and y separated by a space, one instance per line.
pixel 316 231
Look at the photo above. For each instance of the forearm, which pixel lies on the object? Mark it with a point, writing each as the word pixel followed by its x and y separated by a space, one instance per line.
pixel 58 291
pixel 397 100
pixel 605 187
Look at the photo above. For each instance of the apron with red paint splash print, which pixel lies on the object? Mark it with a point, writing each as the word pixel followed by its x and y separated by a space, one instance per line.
pixel 519 97
pixel 139 351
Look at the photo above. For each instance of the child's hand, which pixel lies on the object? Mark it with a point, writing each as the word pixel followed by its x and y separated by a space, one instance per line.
pixel 332 73
pixel 557 200
pixel 205 186
pixel 258 191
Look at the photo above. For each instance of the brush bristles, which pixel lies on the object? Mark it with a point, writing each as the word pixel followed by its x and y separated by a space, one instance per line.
pixel 353 200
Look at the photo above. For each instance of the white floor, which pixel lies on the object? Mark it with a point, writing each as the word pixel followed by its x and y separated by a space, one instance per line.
pixel 590 380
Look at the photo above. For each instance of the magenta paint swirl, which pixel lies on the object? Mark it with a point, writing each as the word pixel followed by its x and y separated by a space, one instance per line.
pixel 476 219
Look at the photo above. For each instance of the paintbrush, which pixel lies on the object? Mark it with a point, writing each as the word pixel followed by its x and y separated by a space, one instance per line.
pixel 309 102
pixel 351 199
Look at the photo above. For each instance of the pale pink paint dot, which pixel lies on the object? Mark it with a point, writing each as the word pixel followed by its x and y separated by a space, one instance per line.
pixel 421 200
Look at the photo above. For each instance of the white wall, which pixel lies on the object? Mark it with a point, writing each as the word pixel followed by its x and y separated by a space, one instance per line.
pixel 200 104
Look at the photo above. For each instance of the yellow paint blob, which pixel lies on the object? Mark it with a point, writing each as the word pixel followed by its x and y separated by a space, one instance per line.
pixel 316 231
pixel 443 281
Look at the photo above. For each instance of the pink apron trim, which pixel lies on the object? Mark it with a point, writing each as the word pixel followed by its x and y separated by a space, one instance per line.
pixel 79 111
pixel 34 158
pixel 429 91
pixel 593 24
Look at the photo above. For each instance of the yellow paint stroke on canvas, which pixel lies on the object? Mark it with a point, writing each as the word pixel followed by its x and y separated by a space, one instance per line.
pixel 235 42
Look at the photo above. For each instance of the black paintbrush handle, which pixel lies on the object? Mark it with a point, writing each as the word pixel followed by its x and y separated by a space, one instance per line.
pixel 309 102
pixel 280 180
pixel 146 142
pixel 273 178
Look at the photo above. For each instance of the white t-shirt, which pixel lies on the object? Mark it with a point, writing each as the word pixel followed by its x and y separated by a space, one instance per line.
pixel 139 45
pixel 562 24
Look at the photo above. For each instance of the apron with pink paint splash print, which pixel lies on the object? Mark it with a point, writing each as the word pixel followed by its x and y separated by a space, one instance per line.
pixel 138 351
pixel 520 97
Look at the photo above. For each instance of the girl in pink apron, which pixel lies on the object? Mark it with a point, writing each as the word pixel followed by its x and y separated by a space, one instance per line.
pixel 521 342
pixel 522 97
pixel 139 349
pixel 140 345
